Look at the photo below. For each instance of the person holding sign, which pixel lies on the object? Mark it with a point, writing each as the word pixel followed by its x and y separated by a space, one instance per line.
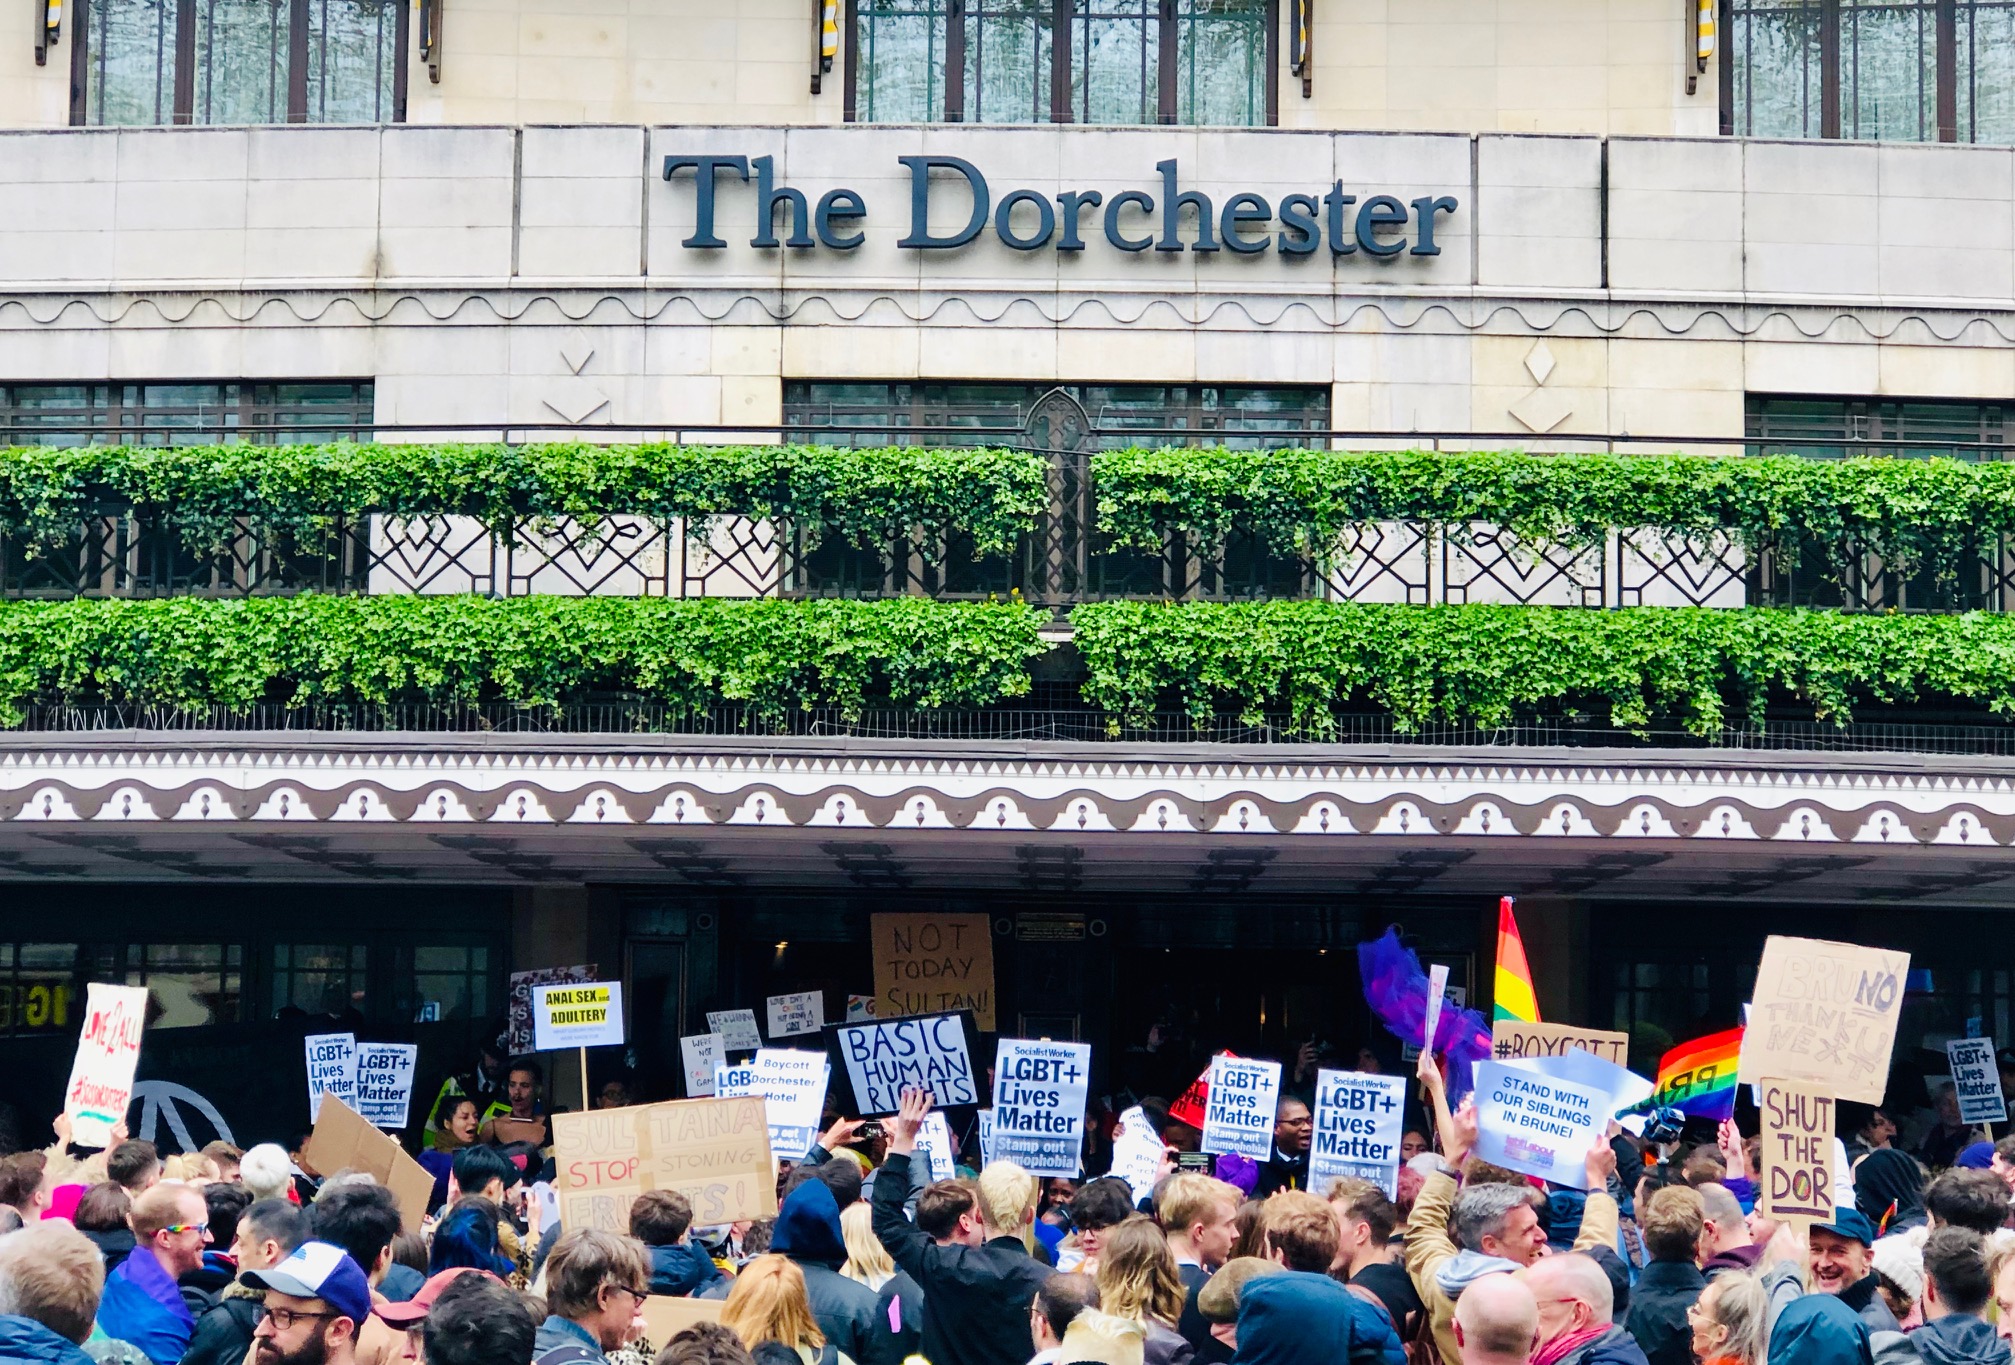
pixel 1495 1227
pixel 1843 1265
pixel 979 1290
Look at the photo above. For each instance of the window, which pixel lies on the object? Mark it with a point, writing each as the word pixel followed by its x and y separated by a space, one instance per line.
pixel 318 978
pixel 1668 996
pixel 239 61
pixel 451 982
pixel 1207 62
pixel 39 987
pixel 1833 428
pixel 1878 70
pixel 1067 416
pixel 188 984
pixel 184 413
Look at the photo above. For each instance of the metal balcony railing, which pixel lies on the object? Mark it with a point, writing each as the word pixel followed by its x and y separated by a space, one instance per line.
pixel 1062 559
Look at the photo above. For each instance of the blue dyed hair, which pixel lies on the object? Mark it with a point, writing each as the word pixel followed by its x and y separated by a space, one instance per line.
pixel 467 1236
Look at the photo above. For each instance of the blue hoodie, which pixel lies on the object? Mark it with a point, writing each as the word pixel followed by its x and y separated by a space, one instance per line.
pixel 26 1340
pixel 1818 1329
pixel 142 1307
pixel 808 1233
pixel 682 1269
pixel 1296 1318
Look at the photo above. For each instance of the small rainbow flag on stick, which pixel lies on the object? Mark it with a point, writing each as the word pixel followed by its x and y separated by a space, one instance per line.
pixel 1512 995
pixel 1698 1078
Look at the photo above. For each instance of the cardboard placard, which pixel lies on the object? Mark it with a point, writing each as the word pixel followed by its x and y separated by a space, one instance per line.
pixel 1437 989
pixel 737 1029
pixel 1238 1117
pixel 986 1127
pixel 1797 1176
pixel 385 1082
pixel 101 1075
pixel 332 1070
pixel 1510 1039
pixel 1359 1120
pixel 934 964
pixel 1136 1153
pixel 665 1317
pixel 518 1037
pixel 888 1056
pixel 577 1014
pixel 1039 1101
pixel 343 1140
pixel 860 1007
pixel 715 1152
pixel 1976 1079
pixel 1537 1124
pixel 1188 1108
pixel 1825 1014
pixel 791 1015
pixel 702 1054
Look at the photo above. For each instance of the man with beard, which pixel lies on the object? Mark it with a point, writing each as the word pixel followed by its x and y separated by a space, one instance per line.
pixel 267 1234
pixel 315 1301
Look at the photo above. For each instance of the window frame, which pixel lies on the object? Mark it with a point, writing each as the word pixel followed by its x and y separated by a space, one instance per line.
pixel 1062 41
pixel 182 100
pixel 1833 82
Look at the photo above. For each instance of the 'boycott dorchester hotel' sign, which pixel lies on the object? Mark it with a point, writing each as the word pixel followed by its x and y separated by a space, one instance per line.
pixel 744 191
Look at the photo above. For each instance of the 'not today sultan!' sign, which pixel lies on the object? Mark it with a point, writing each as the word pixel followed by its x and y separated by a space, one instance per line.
pixel 951 203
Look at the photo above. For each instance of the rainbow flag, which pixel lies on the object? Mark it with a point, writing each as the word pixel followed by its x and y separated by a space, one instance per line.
pixel 1512 993
pixel 1698 1078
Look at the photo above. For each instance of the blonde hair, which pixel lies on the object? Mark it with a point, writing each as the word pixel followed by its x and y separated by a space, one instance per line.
pixel 1188 1198
pixel 51 1272
pixel 867 1259
pixel 1137 1276
pixel 1105 1339
pixel 1007 1199
pixel 769 1303
pixel 160 1206
pixel 264 1170
pixel 1742 1306
pixel 192 1167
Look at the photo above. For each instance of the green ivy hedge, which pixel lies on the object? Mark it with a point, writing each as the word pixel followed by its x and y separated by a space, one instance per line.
pixel 1478 664
pixel 775 655
pixel 1485 664
pixel 864 494
pixel 1913 512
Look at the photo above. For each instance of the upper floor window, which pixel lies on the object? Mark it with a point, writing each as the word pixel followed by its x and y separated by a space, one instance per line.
pixel 1063 61
pixel 239 61
pixel 175 413
pixel 1834 428
pixel 1879 70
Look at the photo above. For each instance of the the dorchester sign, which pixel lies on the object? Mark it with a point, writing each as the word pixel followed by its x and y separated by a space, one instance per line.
pixel 743 191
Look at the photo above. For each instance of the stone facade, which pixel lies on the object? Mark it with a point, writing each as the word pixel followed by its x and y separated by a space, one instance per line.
pixel 1582 286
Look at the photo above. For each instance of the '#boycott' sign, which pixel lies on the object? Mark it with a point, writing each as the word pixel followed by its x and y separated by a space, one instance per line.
pixel 1797 1152
pixel 1039 1096
pixel 1238 1115
pixel 1976 1080
pixel 1358 1119
pixel 885 1058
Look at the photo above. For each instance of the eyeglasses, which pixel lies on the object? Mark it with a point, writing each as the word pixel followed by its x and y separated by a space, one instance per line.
pixel 186 1227
pixel 283 1319
pixel 638 1294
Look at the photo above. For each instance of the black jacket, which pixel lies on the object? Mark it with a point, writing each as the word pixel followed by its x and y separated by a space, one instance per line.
pixel 976 1299
pixel 808 1234
pixel 1658 1304
pixel 224 1334
pixel 902 1302
pixel 1195 1328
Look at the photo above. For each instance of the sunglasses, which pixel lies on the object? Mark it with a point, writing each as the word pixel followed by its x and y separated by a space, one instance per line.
pixel 186 1227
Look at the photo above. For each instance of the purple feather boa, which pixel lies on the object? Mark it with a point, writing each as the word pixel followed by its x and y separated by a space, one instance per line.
pixel 1396 989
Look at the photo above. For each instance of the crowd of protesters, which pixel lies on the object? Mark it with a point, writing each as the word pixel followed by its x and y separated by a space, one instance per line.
pixel 223 1257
